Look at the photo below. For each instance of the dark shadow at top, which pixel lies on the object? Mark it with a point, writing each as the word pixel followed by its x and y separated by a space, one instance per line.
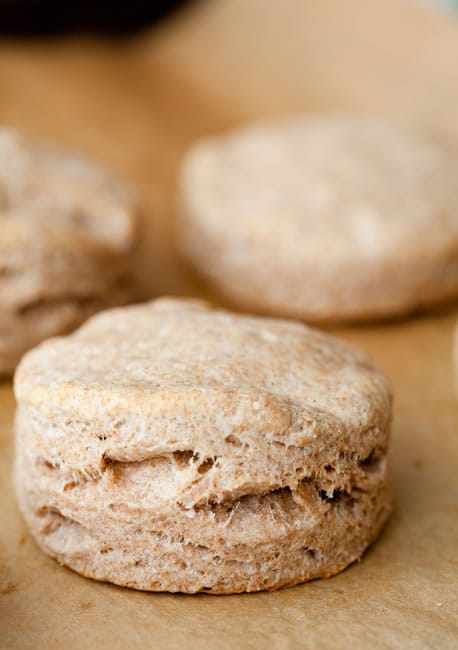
pixel 44 18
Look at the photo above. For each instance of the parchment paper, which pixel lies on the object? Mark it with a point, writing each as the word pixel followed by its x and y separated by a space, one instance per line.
pixel 136 106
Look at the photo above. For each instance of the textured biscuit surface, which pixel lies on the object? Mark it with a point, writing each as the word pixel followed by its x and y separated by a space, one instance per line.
pixel 172 447
pixel 331 218
pixel 66 232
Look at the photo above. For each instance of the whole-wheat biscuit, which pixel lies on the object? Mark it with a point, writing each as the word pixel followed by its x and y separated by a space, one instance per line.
pixel 323 218
pixel 172 447
pixel 67 230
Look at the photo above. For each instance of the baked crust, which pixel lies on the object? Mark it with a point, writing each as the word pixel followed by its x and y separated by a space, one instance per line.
pixel 173 447
pixel 331 218
pixel 67 232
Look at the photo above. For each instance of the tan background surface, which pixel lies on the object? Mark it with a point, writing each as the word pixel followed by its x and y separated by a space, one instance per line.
pixel 136 106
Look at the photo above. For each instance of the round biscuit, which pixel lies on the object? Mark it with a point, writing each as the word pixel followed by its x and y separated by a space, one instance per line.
pixel 331 218
pixel 173 447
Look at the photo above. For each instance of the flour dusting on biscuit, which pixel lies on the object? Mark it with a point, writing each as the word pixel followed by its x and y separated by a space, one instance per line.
pixel 67 233
pixel 174 447
pixel 323 218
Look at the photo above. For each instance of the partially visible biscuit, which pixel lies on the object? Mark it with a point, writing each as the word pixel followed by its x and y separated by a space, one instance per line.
pixel 67 232
pixel 172 447
pixel 323 218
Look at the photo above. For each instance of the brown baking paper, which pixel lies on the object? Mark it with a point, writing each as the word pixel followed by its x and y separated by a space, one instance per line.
pixel 136 106
pixel 403 593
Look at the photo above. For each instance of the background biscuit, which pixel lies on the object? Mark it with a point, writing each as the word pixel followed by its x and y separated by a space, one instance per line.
pixel 323 218
pixel 67 230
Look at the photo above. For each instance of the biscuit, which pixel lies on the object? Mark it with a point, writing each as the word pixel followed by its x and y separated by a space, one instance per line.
pixel 67 230
pixel 327 218
pixel 172 447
